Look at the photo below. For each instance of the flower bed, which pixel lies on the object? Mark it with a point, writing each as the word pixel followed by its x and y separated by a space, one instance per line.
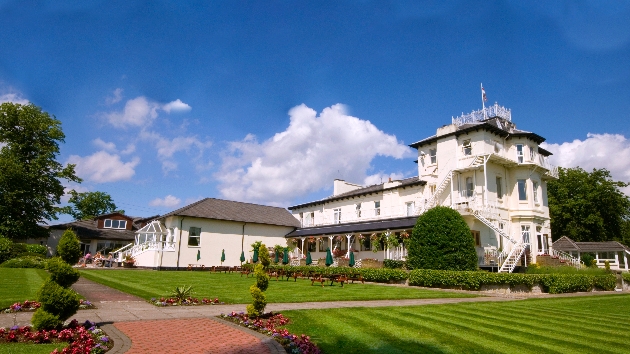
pixel 191 301
pixel 269 324
pixel 86 338
pixel 29 306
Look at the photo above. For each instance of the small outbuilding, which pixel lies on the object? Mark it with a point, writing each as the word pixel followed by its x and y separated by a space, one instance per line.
pixel 614 252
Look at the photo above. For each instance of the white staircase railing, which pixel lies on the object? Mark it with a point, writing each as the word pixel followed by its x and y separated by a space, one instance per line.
pixel 118 254
pixel 512 259
pixel 477 213
pixel 567 258
pixel 430 203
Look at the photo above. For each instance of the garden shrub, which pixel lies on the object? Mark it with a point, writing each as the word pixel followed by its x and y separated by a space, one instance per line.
pixel 18 249
pixel 626 276
pixel 605 282
pixel 25 262
pixel 257 307
pixel 62 273
pixel 5 249
pixel 37 249
pixel 393 264
pixel 69 247
pixel 441 240
pixel 377 275
pixel 588 260
pixel 45 320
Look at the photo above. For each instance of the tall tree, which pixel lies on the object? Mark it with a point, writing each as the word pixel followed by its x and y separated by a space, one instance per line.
pixel 30 176
pixel 90 204
pixel 588 206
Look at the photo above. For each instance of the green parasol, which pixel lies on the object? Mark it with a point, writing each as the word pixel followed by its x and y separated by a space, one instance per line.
pixel 309 260
pixel 285 256
pixel 222 256
pixel 329 259
pixel 351 262
pixel 276 260
pixel 255 257
pixel 242 256
pixel 198 254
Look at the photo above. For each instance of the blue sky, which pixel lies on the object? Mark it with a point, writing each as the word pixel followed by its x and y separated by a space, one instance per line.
pixel 163 103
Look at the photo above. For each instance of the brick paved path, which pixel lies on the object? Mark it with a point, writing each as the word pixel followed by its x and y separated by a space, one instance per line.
pixel 190 336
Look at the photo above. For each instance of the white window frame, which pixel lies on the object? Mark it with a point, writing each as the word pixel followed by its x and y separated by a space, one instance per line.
pixel 433 156
pixel 410 207
pixel 337 216
pixel 499 182
pixel 192 235
pixel 521 186
pixel 308 220
pixel 519 153
pixel 377 208
pixel 467 147
pixel 532 153
pixel 535 187
pixel 358 209
pixel 470 187
pixel 115 224
pixel 525 234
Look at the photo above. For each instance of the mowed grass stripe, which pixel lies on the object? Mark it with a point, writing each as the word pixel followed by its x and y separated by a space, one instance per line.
pixel 541 333
pixel 514 341
pixel 552 326
pixel 19 284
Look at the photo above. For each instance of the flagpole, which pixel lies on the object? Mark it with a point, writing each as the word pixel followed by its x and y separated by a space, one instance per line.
pixel 483 104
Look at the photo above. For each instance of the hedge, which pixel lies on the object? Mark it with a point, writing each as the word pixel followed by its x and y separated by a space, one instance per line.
pixel 378 275
pixel 25 262
pixel 626 276
pixel 474 280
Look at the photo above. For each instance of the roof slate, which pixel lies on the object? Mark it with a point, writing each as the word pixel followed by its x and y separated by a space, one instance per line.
pixel 87 229
pixel 219 209
pixel 566 244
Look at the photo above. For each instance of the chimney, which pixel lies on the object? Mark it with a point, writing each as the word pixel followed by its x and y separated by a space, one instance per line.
pixel 390 179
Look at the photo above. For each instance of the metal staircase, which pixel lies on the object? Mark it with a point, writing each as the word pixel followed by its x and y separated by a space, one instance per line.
pixel 477 214
pixel 431 202
pixel 566 258
pixel 512 259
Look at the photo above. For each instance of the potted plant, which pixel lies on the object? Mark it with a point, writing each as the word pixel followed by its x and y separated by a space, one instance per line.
pixel 129 261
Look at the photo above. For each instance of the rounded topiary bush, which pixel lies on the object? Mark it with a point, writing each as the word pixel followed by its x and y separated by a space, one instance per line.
pixel 25 262
pixel 58 301
pixel 441 240
pixel 45 320
pixel 69 247
pixel 61 272
pixel 257 307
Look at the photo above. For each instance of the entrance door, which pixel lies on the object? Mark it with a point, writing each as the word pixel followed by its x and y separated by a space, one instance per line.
pixel 543 246
pixel 85 248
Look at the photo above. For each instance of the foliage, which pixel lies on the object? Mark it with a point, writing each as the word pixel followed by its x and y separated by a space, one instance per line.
pixel 182 293
pixel 45 320
pixel 6 247
pixel 551 283
pixel 25 262
pixel 69 247
pixel 257 307
pixel 588 260
pixel 441 240
pixel 377 275
pixel 587 206
pixel 394 264
pixel 90 204
pixel 626 276
pixel 61 272
pixel 277 249
pixel 38 249
pixel 30 176
pixel 18 249
pixel 565 270
pixel 256 245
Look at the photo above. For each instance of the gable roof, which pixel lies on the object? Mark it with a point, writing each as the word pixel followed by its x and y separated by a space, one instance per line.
pixel 88 229
pixel 566 244
pixel 220 209
pixel 376 188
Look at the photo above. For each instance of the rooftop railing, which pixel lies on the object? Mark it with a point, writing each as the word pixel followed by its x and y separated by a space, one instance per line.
pixel 483 114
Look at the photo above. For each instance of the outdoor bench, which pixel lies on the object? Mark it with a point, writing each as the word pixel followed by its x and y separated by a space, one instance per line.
pixel 357 277
pixel 318 278
pixel 221 269
pixel 195 266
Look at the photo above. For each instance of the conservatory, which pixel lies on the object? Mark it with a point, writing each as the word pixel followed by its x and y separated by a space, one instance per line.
pixel 152 237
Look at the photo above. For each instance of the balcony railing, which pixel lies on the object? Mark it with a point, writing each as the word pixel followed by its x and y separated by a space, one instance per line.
pixel 483 114
pixel 330 217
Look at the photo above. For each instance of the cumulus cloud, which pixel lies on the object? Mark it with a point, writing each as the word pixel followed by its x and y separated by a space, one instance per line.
pixel 167 148
pixel 14 98
pixel 99 143
pixel 141 111
pixel 176 106
pixel 609 151
pixel 137 112
pixel 169 201
pixel 305 157
pixel 116 96
pixel 102 167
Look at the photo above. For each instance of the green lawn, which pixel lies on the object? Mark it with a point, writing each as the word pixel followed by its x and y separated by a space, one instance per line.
pixel 234 289
pixel 19 284
pixel 591 324
pixel 25 348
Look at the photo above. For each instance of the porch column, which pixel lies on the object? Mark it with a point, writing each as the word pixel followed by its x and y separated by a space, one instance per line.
pixel 348 236
pixel 625 259
pixel 303 238
pixel 330 239
pixel 485 178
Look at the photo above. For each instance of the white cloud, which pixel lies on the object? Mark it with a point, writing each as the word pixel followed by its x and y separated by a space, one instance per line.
pixel 176 106
pixel 99 143
pixel 67 188
pixel 305 157
pixel 130 149
pixel 13 97
pixel 169 201
pixel 102 167
pixel 381 177
pixel 167 148
pixel 609 151
pixel 137 112
pixel 116 97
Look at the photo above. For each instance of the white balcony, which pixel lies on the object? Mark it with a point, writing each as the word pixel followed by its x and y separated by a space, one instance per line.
pixel 331 217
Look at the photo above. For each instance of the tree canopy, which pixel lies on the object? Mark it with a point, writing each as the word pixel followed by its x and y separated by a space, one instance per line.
pixel 30 176
pixel 90 204
pixel 588 206
pixel 441 240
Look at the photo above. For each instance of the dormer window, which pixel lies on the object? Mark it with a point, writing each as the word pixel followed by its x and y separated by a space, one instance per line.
pixel 115 224
pixel 467 147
